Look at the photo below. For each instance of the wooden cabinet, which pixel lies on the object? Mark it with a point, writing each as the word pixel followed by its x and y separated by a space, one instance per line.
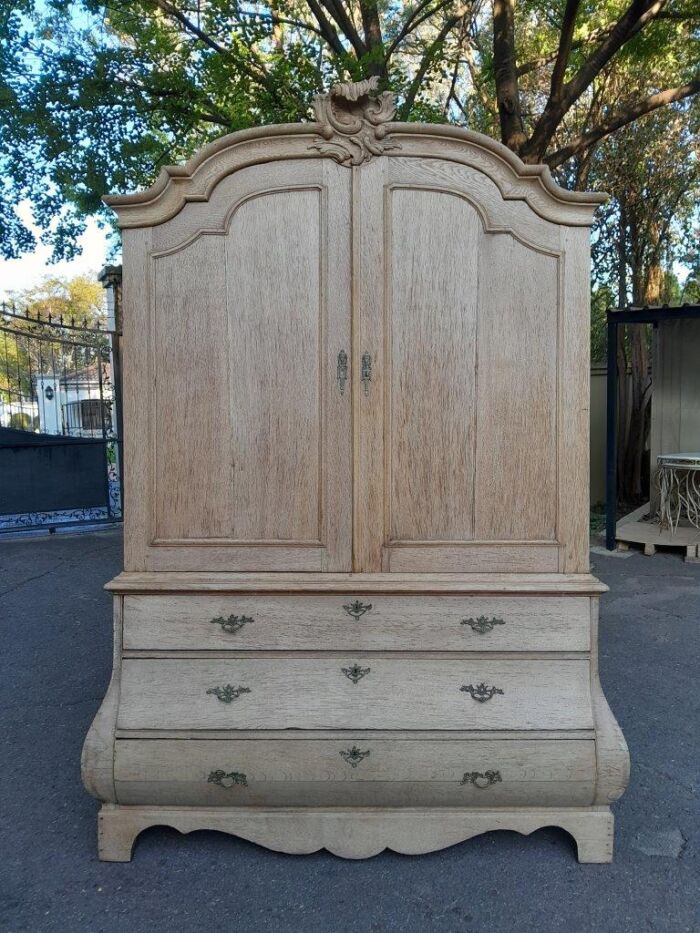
pixel 356 555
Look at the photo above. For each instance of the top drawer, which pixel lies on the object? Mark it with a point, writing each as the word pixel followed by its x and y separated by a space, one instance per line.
pixel 357 623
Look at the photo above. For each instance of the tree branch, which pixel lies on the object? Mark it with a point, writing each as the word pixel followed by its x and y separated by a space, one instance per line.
pixel 326 28
pixel 189 26
pixel 347 27
pixel 428 58
pixel 413 22
pixel 275 20
pixel 486 101
pixel 567 34
pixel 637 15
pixel 621 118
pixel 596 34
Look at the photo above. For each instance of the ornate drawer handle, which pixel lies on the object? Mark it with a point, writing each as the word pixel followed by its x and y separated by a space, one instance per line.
pixel 228 693
pixel 342 374
pixel 357 609
pixel 353 756
pixel 481 693
pixel 232 624
pixel 227 778
pixel 355 673
pixel 482 779
pixel 366 371
pixel 483 624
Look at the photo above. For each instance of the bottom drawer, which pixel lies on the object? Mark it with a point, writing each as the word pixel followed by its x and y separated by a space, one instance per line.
pixel 355 770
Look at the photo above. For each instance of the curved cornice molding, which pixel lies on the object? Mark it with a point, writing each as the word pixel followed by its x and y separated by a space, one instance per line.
pixel 353 126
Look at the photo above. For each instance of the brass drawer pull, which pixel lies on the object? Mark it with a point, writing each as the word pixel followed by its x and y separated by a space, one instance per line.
pixel 342 374
pixel 354 756
pixel 483 624
pixel 228 693
pixel 227 778
pixel 232 624
pixel 366 371
pixel 481 693
pixel 355 673
pixel 357 609
pixel 482 780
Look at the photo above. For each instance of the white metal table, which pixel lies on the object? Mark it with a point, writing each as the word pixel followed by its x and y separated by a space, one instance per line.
pixel 678 479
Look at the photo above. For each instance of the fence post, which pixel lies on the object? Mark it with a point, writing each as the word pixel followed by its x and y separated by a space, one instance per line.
pixel 111 279
pixel 611 445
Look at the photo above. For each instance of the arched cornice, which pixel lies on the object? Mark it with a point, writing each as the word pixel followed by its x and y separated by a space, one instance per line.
pixel 352 127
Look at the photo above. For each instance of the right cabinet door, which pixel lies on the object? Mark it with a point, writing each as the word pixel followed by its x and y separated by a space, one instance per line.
pixel 459 431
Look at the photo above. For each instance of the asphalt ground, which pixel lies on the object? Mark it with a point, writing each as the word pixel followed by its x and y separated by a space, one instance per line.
pixel 55 663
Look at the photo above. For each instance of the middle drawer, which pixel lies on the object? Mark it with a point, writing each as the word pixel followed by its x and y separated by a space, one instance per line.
pixel 347 693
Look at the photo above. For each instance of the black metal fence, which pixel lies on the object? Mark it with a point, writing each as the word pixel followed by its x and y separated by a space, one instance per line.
pixel 60 406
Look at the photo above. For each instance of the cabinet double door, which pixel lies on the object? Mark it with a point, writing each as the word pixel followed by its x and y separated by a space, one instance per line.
pixel 345 376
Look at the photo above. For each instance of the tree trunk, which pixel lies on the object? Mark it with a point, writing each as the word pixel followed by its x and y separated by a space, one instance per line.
pixel 646 285
pixel 506 76
pixel 376 64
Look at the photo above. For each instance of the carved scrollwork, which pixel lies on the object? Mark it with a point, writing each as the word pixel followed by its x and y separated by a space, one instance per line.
pixel 352 119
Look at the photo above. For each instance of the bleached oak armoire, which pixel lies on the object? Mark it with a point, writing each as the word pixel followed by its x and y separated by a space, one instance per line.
pixel 356 610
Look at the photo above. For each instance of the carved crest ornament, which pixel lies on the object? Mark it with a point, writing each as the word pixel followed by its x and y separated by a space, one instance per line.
pixel 352 118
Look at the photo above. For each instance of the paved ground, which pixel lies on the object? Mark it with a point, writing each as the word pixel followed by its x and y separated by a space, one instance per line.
pixel 55 663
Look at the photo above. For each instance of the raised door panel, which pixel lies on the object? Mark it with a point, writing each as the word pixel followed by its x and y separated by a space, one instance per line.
pixel 431 346
pixel 250 456
pixel 516 442
pixel 459 428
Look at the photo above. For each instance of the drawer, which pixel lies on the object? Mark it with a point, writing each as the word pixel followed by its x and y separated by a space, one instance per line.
pixel 355 770
pixel 344 693
pixel 362 623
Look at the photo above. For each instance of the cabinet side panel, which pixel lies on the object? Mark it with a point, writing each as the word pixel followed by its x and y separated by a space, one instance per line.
pixel 136 391
pixel 516 444
pixel 431 330
pixel 574 403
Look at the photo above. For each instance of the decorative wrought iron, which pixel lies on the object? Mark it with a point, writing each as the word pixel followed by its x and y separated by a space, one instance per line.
pixel 357 609
pixel 483 624
pixel 481 693
pixel 366 371
pixel 355 673
pixel 481 779
pixel 354 756
pixel 231 624
pixel 227 778
pixel 342 370
pixel 228 693
pixel 60 415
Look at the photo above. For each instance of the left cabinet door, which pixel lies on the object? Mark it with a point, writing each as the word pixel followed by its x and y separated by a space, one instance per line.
pixel 237 410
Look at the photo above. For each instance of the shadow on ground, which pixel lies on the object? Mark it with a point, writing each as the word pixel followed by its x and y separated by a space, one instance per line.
pixel 55 664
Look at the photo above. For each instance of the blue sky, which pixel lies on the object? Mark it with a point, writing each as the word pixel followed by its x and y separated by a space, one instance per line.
pixel 31 268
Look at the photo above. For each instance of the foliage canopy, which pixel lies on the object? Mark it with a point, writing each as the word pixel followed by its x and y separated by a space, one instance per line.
pixel 97 97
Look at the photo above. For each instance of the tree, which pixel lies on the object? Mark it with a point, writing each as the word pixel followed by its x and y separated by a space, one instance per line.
pixel 96 98
pixel 652 175
pixel 78 301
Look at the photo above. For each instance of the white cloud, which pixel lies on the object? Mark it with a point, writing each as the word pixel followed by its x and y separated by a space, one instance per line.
pixel 31 268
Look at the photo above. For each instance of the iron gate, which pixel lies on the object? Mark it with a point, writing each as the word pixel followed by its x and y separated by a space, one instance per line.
pixel 60 411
